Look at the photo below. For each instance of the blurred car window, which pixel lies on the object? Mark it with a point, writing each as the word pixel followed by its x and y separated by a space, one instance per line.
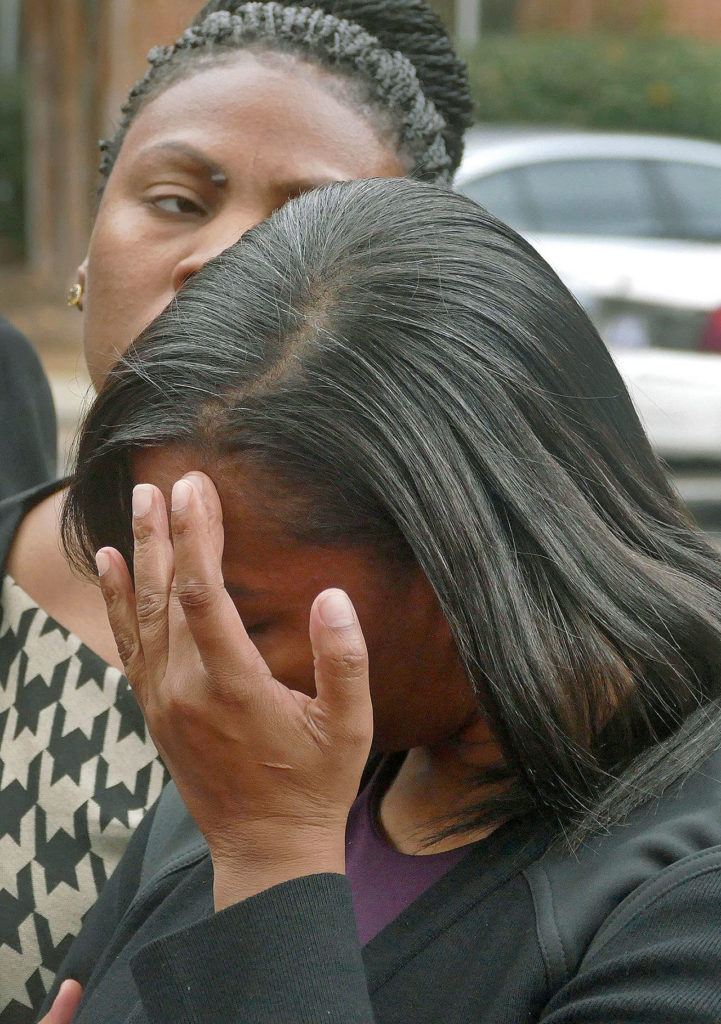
pixel 591 197
pixel 502 194
pixel 693 194
pixel 573 197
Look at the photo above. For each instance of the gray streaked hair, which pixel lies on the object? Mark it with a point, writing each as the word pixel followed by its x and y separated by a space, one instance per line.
pixel 406 372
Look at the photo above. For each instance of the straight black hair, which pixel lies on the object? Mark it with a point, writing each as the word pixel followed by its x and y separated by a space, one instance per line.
pixel 415 376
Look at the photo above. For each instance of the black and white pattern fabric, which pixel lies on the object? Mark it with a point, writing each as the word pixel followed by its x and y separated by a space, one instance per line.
pixel 77 773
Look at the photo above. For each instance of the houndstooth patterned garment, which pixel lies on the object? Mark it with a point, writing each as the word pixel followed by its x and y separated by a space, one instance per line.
pixel 77 773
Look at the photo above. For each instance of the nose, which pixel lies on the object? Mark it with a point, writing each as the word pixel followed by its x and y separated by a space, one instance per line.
pixel 208 244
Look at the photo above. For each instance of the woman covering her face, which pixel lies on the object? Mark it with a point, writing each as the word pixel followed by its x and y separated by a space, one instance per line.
pixel 390 497
pixel 256 103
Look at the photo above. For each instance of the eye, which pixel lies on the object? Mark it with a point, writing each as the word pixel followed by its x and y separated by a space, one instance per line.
pixel 176 204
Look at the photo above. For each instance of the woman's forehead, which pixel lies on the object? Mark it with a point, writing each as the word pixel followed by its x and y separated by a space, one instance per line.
pixel 262 556
pixel 247 110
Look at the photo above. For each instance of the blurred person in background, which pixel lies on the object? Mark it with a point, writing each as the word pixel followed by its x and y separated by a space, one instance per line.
pixel 405 412
pixel 253 105
pixel 28 431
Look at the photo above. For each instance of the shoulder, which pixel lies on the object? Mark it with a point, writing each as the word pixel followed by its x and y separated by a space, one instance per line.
pixel 616 879
pixel 19 360
pixel 36 503
pixel 35 559
pixel 12 342
pixel 28 429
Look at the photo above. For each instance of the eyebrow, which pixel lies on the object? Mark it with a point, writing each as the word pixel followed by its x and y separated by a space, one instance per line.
pixel 216 173
pixel 219 177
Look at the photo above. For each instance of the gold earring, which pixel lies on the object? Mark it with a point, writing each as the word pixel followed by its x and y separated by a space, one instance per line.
pixel 75 296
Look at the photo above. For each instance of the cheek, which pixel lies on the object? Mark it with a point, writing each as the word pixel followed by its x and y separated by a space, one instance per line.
pixel 126 268
pixel 128 284
pixel 395 666
pixel 419 689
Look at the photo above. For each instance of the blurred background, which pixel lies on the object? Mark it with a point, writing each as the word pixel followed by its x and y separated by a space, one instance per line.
pixel 598 137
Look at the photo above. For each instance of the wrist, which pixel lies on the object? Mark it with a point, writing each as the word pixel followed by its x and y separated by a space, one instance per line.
pixel 234 883
pixel 235 879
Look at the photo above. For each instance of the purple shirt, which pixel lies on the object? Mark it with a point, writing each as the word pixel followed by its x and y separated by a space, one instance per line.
pixel 383 881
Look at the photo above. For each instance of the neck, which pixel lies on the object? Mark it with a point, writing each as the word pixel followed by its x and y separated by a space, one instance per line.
pixel 433 781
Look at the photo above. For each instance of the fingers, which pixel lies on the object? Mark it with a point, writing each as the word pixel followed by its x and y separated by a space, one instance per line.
pixel 65 1004
pixel 117 590
pixel 341 664
pixel 213 511
pixel 228 654
pixel 153 571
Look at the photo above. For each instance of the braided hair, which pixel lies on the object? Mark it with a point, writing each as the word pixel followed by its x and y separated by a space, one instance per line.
pixel 394 56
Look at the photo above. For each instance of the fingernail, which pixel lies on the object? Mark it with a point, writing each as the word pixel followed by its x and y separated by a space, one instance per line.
pixel 142 500
pixel 336 610
pixel 102 561
pixel 180 496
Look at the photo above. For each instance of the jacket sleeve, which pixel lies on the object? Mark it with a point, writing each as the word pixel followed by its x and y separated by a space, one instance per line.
pixel 289 955
pixel 657 958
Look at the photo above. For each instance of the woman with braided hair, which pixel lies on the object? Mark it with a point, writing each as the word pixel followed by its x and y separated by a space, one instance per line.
pixel 254 104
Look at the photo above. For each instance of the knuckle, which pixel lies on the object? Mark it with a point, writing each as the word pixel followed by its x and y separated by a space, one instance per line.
pixel 113 595
pixel 351 664
pixel 110 595
pixel 195 595
pixel 182 523
pixel 150 605
pixel 127 649
pixel 143 532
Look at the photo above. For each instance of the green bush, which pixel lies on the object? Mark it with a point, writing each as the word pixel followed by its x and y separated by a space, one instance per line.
pixel 636 83
pixel 11 167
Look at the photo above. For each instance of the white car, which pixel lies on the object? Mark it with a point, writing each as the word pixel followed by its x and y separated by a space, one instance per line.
pixel 678 398
pixel 632 223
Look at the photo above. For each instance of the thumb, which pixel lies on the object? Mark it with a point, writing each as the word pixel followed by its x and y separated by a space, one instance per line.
pixel 65 1004
pixel 341 662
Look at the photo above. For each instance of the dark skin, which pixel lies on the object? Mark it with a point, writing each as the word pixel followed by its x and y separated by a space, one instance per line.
pixel 273 579
pixel 222 600
pixel 207 159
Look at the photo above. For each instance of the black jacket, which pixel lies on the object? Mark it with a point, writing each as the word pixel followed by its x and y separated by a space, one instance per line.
pixel 28 436
pixel 627 930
